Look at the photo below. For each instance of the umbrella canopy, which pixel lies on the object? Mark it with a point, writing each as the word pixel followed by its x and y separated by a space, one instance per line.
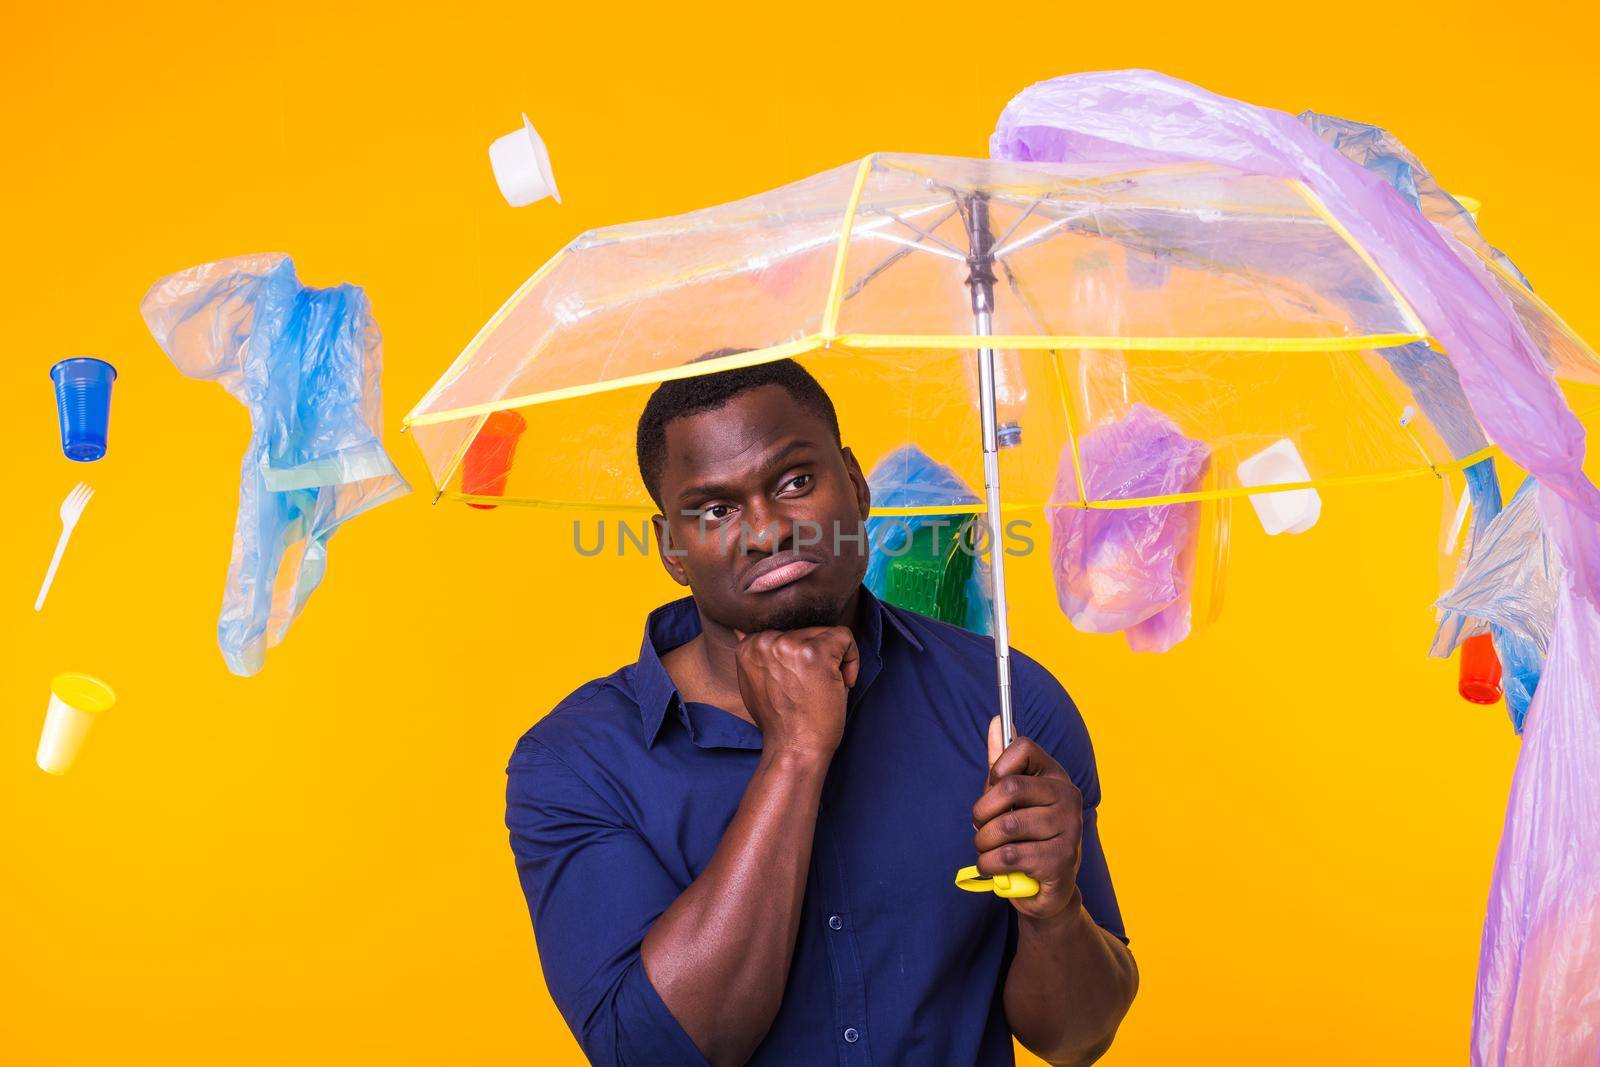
pixel 1233 304
pixel 1146 338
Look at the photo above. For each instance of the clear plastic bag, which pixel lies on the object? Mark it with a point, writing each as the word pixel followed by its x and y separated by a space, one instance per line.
pixel 306 364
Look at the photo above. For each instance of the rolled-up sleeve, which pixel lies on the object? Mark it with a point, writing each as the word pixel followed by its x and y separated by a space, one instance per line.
pixel 1047 715
pixel 593 888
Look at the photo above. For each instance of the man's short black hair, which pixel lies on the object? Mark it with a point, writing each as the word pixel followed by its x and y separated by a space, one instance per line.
pixel 682 397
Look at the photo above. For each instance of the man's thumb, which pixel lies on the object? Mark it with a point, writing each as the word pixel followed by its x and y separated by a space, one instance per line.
pixel 995 740
pixel 740 634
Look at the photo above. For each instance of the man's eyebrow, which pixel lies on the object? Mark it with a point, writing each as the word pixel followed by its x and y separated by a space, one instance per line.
pixel 777 459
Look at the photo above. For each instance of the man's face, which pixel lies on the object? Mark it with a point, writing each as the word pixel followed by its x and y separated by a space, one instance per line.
pixel 754 492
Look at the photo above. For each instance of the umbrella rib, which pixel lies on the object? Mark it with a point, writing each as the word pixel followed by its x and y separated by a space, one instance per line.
pixel 912 246
pixel 891 259
pixel 925 234
pixel 1020 220
pixel 1042 233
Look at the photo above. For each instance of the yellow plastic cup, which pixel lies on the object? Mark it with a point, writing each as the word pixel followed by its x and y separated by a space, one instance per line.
pixel 75 701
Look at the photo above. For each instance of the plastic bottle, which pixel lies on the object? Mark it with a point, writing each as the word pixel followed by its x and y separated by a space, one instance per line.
pixel 1480 670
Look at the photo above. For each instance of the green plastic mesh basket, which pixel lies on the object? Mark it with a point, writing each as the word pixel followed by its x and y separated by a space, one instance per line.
pixel 931 577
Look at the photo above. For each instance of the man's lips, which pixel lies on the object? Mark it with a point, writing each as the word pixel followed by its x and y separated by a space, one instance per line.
pixel 774 572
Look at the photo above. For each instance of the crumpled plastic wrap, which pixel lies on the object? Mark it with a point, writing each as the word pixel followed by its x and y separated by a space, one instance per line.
pixel 1129 568
pixel 1539 973
pixel 306 363
pixel 1437 391
pixel 906 478
pixel 1381 152
pixel 1510 584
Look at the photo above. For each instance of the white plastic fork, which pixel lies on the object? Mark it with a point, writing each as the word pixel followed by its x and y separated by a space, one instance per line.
pixel 71 512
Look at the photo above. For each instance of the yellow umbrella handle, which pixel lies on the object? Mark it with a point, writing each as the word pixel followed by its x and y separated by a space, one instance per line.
pixel 1003 885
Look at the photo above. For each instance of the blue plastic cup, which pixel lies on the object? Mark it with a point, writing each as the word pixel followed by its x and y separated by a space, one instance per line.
pixel 83 405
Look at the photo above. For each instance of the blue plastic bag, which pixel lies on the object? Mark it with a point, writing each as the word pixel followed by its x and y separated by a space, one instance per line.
pixel 907 477
pixel 306 363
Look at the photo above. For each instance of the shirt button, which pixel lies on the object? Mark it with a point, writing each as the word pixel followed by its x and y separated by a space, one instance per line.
pixel 835 923
pixel 852 1035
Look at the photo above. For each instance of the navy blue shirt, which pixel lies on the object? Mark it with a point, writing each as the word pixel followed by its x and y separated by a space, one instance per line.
pixel 619 797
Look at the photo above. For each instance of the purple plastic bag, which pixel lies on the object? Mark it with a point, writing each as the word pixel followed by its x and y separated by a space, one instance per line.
pixel 1538 997
pixel 1141 117
pixel 1129 568
pixel 1539 966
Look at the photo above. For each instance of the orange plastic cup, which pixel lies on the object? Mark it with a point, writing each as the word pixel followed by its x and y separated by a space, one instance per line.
pixel 1480 670
pixel 487 463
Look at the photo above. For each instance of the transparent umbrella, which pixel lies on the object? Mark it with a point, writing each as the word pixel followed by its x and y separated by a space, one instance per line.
pixel 1105 342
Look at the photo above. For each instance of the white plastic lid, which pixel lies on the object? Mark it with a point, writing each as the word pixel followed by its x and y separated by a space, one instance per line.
pixel 1289 511
pixel 522 167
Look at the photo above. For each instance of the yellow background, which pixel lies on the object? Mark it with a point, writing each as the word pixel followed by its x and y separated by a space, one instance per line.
pixel 310 866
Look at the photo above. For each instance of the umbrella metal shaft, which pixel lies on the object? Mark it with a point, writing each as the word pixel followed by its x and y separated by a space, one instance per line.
pixel 980 280
pixel 991 486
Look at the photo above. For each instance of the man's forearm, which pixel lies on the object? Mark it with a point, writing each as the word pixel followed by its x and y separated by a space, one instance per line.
pixel 719 956
pixel 1069 986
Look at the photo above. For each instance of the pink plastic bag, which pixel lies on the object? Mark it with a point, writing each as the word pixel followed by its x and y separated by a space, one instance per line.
pixel 1129 568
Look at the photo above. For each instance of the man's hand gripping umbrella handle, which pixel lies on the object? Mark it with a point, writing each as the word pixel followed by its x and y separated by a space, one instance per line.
pixel 1010 884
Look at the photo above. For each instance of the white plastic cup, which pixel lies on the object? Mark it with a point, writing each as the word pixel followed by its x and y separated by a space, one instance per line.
pixel 1290 511
pixel 75 701
pixel 522 167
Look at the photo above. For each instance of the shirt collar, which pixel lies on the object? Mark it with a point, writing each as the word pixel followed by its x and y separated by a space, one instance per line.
pixel 678 622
